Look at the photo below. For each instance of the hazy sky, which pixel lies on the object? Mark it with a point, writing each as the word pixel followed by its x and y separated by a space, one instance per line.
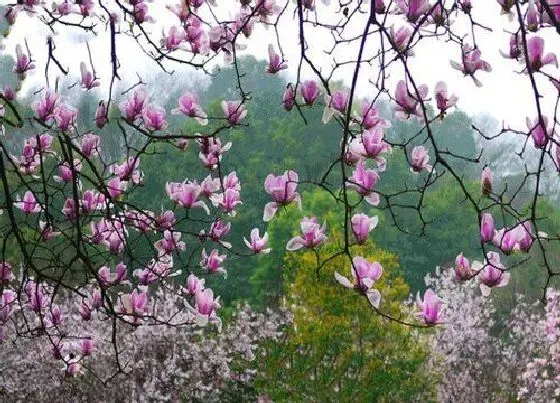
pixel 506 94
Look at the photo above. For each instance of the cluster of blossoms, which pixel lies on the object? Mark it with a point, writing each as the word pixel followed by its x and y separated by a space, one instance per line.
pixel 161 360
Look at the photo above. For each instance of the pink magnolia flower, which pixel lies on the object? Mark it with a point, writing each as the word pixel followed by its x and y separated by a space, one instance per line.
pixel 213 262
pixel 88 78
pixel 335 104
pixel 211 151
pixel 113 235
pixel 466 6
pixel 101 115
pixel 362 225
pixel 288 99
pixel 166 220
pixel 23 62
pixel 65 171
pixel 266 8
pixel 116 187
pixel 486 181
pixel 443 100
pixel 65 117
pixel 234 111
pixel 219 230
pixel 142 221
pixel 189 106
pixel 7 304
pixel 275 62
pixel 524 236
pixel 92 201
pixel 90 145
pixel 413 9
pixel 29 204
pixel 134 305
pixel 9 93
pixel 486 227
pixel 283 191
pixel 69 209
pixel 438 17
pixel 156 269
pixel 86 347
pixel 86 8
pixel 401 39
pixel 205 308
pixel 430 309
pixel 313 235
pixel 369 115
pixel 471 63
pixel 128 170
pixel 539 131
pixel 174 38
pixel 193 284
pixel 186 195
pixel 257 244
pixel 140 13
pixel 364 274
pixel 371 146
pixel 231 181
pixel 6 274
pixel 154 118
pixel 47 231
pixel 532 17
pixel 133 106
pixel 170 242
pixel 106 277
pixel 72 366
pixel 505 239
pixel 407 104
pixel 209 186
pixel 514 48
pixel 537 58
pixel 227 201
pixel 492 273
pixel 46 107
pixel 462 268
pixel 309 91
pixel 419 159
pixel 363 181
pixel 380 6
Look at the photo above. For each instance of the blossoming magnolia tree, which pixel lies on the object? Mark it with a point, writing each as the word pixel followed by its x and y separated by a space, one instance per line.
pixel 71 212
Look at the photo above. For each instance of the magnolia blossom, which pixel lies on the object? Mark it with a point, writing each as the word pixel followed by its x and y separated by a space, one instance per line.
pixel 213 262
pixel 174 38
pixel 275 63
pixel 365 274
pixel 88 78
pixel 23 62
pixel 313 235
pixel 133 106
pixel 309 91
pixel 227 201
pixel 46 108
pixel 283 191
pixel 142 221
pixel 193 284
pixel 369 116
pixel 90 145
pixel 370 145
pixel 154 118
pixel 413 9
pixel 234 111
pixel 134 306
pixel 66 172
pixel 106 277
pixel 463 269
pixel 471 63
pixel 486 181
pixel 443 100
pixel 401 39
pixel 170 242
pixel 128 170
pixel 335 104
pixel 419 159
pixel 211 151
pixel 363 181
pixel 539 131
pixel 537 58
pixel 532 17
pixel 430 309
pixel 101 115
pixel 29 204
pixel 205 308
pixel 65 116
pixel 362 225
pixel 47 231
pixel 186 194
pixel 257 244
pixel 514 48
pixel 407 103
pixel 492 273
pixel 189 105
pixel 288 99
pixel 486 227
pixel 6 274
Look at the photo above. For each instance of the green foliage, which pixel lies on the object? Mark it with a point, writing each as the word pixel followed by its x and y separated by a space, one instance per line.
pixel 338 349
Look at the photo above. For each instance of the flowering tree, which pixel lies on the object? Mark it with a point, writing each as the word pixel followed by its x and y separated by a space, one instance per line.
pixel 70 210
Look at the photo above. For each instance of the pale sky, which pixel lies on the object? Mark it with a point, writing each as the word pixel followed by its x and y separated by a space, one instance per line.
pixel 505 94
